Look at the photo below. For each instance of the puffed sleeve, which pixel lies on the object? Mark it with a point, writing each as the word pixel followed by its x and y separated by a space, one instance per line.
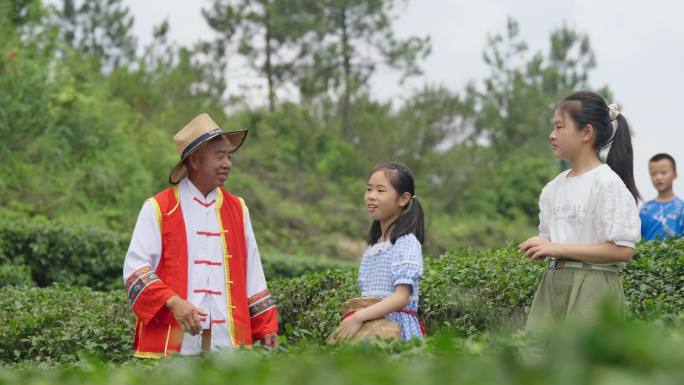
pixel 545 212
pixel 617 214
pixel 407 265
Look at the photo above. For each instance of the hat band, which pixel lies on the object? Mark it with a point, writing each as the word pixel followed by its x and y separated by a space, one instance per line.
pixel 200 139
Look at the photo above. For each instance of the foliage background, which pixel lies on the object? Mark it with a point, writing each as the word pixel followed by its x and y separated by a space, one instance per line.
pixel 87 117
pixel 86 120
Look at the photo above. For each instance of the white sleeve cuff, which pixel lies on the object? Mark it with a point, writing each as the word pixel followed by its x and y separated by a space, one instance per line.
pixel 629 244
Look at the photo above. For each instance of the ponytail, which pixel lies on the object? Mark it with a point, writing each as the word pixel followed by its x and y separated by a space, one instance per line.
pixel 621 158
pixel 411 220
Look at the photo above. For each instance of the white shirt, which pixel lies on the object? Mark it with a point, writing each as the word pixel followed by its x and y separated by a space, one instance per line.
pixel 206 274
pixel 594 207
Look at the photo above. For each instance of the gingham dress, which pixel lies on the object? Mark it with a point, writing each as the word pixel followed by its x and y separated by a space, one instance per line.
pixel 386 265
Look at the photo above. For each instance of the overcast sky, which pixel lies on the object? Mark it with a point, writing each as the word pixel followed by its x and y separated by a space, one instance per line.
pixel 639 47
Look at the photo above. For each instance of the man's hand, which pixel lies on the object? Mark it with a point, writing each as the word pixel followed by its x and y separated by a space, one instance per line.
pixel 270 340
pixel 186 314
pixel 538 247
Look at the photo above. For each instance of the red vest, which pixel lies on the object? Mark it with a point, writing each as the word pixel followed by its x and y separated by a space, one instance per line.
pixel 157 332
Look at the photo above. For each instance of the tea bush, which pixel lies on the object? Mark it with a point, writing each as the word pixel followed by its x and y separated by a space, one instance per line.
pixel 610 352
pixel 92 257
pixel 470 291
pixel 464 292
pixel 54 324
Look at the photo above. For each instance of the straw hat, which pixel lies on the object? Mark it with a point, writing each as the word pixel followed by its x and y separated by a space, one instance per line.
pixel 200 130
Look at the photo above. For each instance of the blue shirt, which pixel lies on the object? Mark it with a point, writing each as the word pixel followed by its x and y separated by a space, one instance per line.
pixel 662 219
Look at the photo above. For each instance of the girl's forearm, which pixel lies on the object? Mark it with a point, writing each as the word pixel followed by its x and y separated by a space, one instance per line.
pixel 605 252
pixel 393 302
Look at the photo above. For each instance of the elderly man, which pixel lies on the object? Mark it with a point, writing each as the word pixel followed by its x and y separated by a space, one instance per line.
pixel 192 271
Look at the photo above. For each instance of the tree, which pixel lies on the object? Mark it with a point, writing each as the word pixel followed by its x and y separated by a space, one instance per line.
pixel 99 27
pixel 353 38
pixel 267 33
pixel 511 117
pixel 514 109
pixel 20 12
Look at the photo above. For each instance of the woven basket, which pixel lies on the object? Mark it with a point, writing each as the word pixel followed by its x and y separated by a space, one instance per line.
pixel 382 328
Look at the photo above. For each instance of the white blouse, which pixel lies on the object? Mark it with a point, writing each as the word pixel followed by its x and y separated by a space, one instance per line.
pixel 594 207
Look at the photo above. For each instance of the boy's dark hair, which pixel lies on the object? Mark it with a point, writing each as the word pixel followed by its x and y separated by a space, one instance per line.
pixel 662 156
pixel 586 107
pixel 411 220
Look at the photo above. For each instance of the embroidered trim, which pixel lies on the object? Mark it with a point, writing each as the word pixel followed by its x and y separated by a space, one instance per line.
pixel 166 344
pixel 177 195
pixel 378 248
pixel 203 203
pixel 139 354
pixel 258 296
pixel 157 211
pixel 138 281
pixel 226 267
pixel 244 209
pixel 261 306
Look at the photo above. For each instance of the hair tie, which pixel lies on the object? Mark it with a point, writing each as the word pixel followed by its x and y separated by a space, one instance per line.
pixel 605 149
pixel 613 112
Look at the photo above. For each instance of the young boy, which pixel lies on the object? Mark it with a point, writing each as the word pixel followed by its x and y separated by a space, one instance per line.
pixel 664 216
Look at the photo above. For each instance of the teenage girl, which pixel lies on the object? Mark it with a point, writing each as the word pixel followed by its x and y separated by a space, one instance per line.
pixel 588 220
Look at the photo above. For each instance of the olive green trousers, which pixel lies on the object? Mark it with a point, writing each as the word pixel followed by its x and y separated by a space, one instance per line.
pixel 573 293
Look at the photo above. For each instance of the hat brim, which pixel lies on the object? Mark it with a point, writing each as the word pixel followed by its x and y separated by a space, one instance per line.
pixel 180 171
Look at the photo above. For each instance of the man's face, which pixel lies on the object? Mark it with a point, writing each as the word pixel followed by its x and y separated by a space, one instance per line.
pixel 212 162
pixel 662 174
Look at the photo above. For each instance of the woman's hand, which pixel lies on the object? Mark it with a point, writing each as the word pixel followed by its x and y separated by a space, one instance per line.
pixel 538 247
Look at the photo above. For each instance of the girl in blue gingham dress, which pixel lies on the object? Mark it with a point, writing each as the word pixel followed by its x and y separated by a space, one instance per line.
pixel 392 263
pixel 385 266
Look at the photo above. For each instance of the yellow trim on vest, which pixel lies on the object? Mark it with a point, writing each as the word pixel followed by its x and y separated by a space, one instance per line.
pixel 177 195
pixel 166 345
pixel 224 243
pixel 244 209
pixel 157 211
pixel 138 354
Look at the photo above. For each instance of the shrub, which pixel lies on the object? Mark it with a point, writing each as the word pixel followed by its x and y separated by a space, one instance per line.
pixel 73 256
pixel 471 291
pixel 94 258
pixel 465 292
pixel 612 352
pixel 278 266
pixel 16 275
pixel 654 280
pixel 56 323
